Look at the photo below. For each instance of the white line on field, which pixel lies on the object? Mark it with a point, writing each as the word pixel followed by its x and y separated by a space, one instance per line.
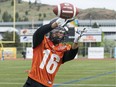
pixel 94 85
pixel 10 83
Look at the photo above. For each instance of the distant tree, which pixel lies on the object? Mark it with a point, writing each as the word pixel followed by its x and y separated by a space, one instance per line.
pixel 38 7
pixel 95 25
pixel 8 36
pixel 0 11
pixel 12 3
pixel 44 15
pixel 108 44
pixel 40 16
pixel 17 16
pixel 10 18
pixel 30 4
pixel 19 1
pixel 6 17
pixel 26 12
pixel 35 2
pixel 48 8
pixel 38 4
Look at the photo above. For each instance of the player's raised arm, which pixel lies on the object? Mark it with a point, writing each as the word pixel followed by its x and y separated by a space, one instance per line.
pixel 69 55
pixel 39 34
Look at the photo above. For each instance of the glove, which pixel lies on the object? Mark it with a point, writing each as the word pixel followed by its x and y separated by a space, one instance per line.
pixel 78 35
pixel 62 22
pixel 67 21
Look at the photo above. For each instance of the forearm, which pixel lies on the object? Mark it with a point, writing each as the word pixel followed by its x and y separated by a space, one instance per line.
pixel 54 25
pixel 39 34
pixel 69 55
pixel 74 45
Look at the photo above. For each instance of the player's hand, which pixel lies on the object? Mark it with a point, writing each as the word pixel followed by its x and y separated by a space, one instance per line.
pixel 62 22
pixel 78 35
pixel 67 21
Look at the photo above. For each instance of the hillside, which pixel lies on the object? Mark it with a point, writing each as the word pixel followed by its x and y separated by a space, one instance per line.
pixel 97 13
pixel 34 12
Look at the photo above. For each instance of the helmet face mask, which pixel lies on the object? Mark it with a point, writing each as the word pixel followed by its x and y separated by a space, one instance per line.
pixel 57 36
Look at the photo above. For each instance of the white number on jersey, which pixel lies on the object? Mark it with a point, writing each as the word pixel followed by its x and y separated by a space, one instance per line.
pixel 52 63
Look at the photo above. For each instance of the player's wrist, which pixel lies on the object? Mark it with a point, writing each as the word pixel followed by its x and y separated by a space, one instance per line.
pixel 54 25
pixel 60 21
pixel 76 40
pixel 75 45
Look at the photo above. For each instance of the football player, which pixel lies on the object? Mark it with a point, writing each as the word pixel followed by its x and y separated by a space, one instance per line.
pixel 49 53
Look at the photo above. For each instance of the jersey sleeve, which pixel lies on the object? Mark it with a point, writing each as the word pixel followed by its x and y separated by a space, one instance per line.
pixel 69 55
pixel 39 34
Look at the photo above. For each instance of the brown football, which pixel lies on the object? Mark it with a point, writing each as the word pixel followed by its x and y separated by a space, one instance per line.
pixel 65 10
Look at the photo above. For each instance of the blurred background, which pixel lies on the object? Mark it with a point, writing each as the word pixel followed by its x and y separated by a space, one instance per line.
pixel 93 66
pixel 20 18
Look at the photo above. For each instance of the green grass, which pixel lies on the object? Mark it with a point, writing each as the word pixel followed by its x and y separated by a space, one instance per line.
pixel 76 73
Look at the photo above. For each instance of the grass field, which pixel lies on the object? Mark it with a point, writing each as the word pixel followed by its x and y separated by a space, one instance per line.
pixel 76 73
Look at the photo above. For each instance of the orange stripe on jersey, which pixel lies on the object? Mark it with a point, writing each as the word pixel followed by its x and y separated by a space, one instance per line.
pixel 46 61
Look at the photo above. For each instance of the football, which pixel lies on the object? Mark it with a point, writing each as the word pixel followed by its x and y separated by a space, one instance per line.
pixel 65 10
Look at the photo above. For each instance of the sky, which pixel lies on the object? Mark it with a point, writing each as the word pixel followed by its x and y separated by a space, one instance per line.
pixel 83 4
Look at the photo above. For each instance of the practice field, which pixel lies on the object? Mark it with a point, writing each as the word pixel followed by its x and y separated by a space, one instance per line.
pixel 76 73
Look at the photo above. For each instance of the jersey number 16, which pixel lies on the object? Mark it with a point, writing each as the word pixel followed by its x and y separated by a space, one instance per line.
pixel 52 63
